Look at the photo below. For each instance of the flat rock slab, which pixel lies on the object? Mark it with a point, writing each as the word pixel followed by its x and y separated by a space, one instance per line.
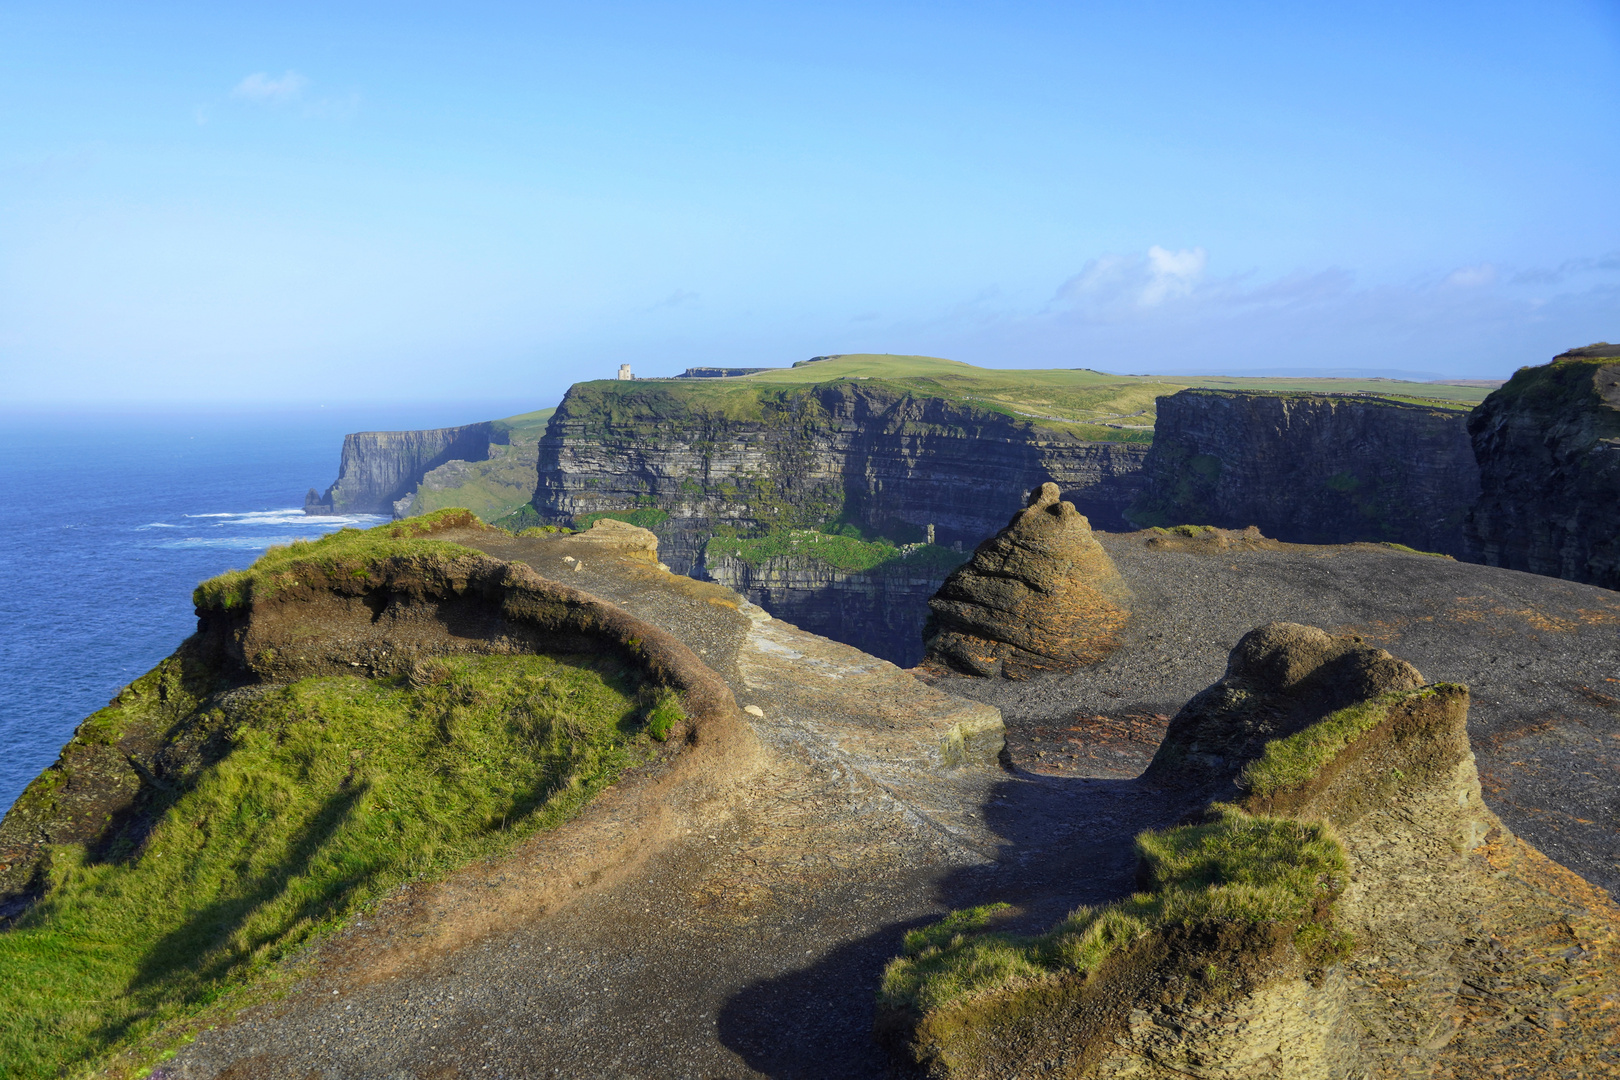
pixel 1541 657
pixel 748 944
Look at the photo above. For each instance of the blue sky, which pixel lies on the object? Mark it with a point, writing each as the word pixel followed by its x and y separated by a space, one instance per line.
pixel 339 204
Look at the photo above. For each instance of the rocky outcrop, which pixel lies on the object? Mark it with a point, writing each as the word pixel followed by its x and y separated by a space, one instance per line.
pixel 1041 595
pixel 749 457
pixel 1548 446
pixel 379 468
pixel 1312 468
pixel 1336 913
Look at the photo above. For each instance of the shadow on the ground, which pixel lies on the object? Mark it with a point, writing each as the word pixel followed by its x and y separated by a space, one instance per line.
pixel 1065 842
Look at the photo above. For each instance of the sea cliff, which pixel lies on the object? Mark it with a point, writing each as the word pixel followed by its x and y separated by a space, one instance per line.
pixel 1312 468
pixel 379 468
pixel 887 459
pixel 1548 445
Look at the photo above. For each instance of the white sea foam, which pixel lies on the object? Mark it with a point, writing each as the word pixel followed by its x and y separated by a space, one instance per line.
pixel 247 543
pixel 293 516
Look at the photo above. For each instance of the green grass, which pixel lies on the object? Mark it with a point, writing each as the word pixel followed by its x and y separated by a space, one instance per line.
pixel 1087 404
pixel 1288 763
pixel 345 551
pixel 1414 551
pixel 333 791
pixel 1236 868
pixel 525 427
pixel 848 553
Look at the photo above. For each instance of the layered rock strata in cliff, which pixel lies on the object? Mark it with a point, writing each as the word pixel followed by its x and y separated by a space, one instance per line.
pixel 879 611
pixel 379 468
pixel 1312 468
pixel 1348 907
pixel 767 457
pixel 1548 445
pixel 1040 595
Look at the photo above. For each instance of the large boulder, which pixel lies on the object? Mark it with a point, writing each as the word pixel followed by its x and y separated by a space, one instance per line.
pixel 1040 595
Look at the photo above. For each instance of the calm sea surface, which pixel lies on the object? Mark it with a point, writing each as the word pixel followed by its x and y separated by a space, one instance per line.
pixel 112 520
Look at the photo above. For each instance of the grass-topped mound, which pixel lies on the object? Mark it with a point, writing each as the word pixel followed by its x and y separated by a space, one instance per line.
pixel 347 551
pixel 1235 921
pixel 1235 868
pixel 283 810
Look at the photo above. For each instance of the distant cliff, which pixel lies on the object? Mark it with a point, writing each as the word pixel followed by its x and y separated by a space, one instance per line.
pixel 379 468
pixel 721 457
pixel 1312 468
pixel 879 609
pixel 1548 445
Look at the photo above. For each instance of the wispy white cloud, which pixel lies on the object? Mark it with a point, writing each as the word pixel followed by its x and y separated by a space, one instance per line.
pixel 1162 310
pixel 1471 277
pixel 1174 273
pixel 264 89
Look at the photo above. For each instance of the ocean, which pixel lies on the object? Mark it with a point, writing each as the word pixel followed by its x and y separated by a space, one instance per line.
pixel 113 520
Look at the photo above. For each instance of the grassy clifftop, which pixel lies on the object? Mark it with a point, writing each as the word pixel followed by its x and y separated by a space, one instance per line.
pixel 1091 404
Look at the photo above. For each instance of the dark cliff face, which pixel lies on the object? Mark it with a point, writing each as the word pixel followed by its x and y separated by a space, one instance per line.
pixel 380 468
pixel 765 457
pixel 1312 468
pixel 879 612
pixel 1548 445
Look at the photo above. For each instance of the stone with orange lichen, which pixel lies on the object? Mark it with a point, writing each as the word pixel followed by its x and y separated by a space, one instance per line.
pixel 1041 595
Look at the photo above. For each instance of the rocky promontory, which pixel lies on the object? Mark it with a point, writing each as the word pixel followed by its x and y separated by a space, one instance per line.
pixel 755 457
pixel 379 468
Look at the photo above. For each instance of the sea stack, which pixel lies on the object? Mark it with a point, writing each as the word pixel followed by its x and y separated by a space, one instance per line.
pixel 1040 595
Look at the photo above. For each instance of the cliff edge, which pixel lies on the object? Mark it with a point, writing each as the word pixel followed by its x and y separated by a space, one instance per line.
pixel 1548 445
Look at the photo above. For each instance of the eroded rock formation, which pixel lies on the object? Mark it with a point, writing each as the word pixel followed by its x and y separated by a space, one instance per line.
pixel 1548 445
pixel 1379 966
pixel 1040 595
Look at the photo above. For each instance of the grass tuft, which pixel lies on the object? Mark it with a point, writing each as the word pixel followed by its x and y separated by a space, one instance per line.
pixel 347 551
pixel 1288 763
pixel 1237 868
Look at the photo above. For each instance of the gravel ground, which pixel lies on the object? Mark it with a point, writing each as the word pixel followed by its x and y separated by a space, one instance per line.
pixel 1540 655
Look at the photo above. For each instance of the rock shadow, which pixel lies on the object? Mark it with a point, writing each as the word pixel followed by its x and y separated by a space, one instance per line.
pixel 1065 841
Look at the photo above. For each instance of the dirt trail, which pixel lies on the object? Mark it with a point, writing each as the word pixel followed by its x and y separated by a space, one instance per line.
pixel 750 943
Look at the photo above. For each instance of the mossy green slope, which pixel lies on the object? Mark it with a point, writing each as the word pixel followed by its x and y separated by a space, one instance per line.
pixel 276 811
pixel 331 792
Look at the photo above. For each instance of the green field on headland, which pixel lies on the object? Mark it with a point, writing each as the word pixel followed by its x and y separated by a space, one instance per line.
pixel 1121 406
